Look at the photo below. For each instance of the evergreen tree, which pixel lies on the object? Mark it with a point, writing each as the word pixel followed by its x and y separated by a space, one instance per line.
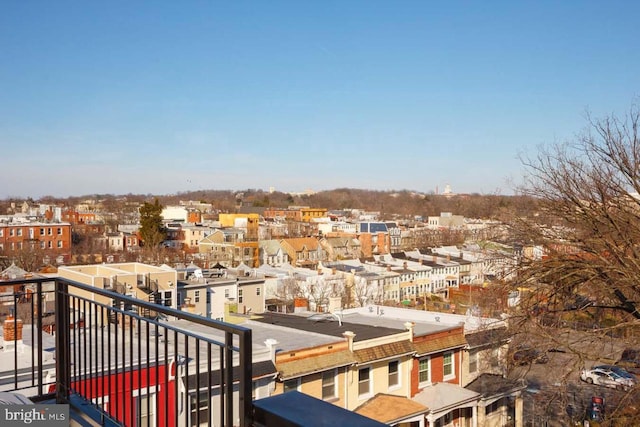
pixel 152 231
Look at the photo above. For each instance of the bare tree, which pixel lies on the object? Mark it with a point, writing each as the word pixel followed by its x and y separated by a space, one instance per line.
pixel 580 259
pixel 589 223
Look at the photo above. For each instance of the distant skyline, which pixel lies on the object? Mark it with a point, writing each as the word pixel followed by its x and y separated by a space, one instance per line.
pixel 164 97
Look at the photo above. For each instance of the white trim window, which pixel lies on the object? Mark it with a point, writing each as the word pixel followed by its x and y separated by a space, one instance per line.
pixel 448 366
pixel 364 382
pixel 473 361
pixel 329 384
pixel 291 385
pixel 394 374
pixel 424 371
pixel 146 410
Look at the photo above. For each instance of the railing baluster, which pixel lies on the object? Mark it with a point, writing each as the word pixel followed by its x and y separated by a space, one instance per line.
pixel 187 397
pixel 209 396
pixel 197 381
pixel 228 347
pixel 222 387
pixel 40 330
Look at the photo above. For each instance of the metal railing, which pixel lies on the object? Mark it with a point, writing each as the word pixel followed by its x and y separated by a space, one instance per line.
pixel 130 369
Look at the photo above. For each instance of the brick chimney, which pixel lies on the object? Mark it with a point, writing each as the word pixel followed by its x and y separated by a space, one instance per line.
pixel 12 332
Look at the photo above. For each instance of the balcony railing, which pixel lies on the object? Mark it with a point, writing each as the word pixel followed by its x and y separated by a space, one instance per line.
pixel 95 350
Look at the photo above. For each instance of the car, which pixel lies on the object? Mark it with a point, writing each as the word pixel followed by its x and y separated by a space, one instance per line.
pixel 607 378
pixel 630 360
pixel 527 355
pixel 618 370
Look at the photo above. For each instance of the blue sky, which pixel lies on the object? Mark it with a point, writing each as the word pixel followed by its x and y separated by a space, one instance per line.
pixel 165 96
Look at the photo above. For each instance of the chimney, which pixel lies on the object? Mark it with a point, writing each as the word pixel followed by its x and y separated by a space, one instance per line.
pixel 349 336
pixel 271 345
pixel 12 332
pixel 409 326
pixel 435 258
pixel 448 258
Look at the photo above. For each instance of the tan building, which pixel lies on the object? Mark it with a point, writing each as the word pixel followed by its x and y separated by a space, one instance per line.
pixel 141 281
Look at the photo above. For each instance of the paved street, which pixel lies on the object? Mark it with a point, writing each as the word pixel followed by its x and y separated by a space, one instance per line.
pixel 556 396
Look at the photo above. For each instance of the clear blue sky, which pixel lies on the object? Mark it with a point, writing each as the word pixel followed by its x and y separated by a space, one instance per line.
pixel 169 96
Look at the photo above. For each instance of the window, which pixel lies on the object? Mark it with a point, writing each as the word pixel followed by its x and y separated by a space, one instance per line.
pixel 240 299
pixel 364 381
pixel 488 410
pixel 59 243
pixel 59 231
pixel 197 296
pixel 423 370
pixel 394 375
pixel 167 298
pixel 42 245
pixel 473 361
pixel 226 293
pixel 447 367
pixel 145 405
pixel 1 232
pixel 329 384
pixel 258 291
pixel 49 244
pixel 49 232
pixel 42 231
pixel 11 232
pixel 290 385
pixel 200 408
pixel 19 231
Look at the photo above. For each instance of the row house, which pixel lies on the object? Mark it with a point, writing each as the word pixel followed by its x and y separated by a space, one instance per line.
pixel 394 371
pixel 75 217
pixel 469 380
pixel 217 297
pixel 182 214
pixel 185 237
pixel 472 267
pixel 338 248
pixel 271 253
pixel 445 273
pixel 297 213
pixel 52 237
pixel 228 247
pixel 303 251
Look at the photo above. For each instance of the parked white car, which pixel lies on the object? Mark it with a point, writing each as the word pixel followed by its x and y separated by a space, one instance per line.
pixel 607 378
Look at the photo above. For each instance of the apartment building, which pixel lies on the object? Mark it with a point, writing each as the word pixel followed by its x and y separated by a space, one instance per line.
pixel 137 280
pixel 52 237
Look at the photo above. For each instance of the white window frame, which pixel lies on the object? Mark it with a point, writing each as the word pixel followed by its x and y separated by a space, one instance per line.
pixel 428 380
pixel 59 243
pixel 326 376
pixel 398 383
pixel 368 380
pixel 297 387
pixel 151 416
pixel 473 361
pixel 452 375
pixel 196 296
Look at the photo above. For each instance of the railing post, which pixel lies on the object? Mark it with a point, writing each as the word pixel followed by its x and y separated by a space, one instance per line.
pixel 63 375
pixel 246 379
